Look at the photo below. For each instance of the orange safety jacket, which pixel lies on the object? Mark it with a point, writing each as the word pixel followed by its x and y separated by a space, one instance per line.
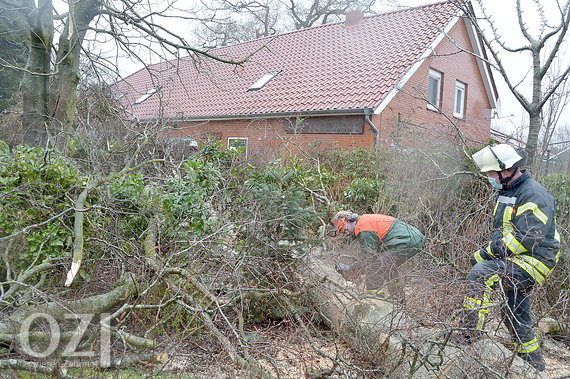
pixel 378 223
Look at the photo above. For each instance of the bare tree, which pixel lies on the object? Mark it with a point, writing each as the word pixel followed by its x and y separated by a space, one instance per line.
pixel 58 39
pixel 305 15
pixel 544 47
pixel 227 21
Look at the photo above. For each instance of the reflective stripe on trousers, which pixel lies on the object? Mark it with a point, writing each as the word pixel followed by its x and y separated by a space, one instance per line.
pixel 482 306
pixel 527 347
pixel 517 286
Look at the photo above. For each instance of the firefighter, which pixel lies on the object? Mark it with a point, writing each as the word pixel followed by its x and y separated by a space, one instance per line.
pixel 387 241
pixel 522 252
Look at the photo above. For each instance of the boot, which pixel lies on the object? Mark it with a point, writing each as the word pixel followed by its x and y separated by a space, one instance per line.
pixel 534 358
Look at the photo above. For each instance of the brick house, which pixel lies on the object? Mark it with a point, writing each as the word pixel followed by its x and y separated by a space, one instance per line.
pixel 368 81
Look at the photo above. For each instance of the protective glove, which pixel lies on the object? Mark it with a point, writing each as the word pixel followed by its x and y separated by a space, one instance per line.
pixel 498 245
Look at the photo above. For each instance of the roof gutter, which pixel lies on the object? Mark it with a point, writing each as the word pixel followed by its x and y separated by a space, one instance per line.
pixel 316 113
pixel 367 113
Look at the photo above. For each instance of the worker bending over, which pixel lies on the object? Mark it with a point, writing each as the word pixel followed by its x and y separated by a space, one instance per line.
pixel 387 241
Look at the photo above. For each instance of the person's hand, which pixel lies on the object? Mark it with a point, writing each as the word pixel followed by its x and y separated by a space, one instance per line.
pixel 472 260
pixel 497 245
pixel 497 236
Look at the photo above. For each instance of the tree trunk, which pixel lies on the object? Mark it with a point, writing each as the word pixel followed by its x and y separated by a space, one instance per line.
pixel 534 112
pixel 35 80
pixel 388 337
pixel 63 91
pixel 95 304
pixel 532 141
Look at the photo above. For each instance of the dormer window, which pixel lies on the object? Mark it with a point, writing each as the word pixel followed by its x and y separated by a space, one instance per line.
pixel 263 81
pixel 150 92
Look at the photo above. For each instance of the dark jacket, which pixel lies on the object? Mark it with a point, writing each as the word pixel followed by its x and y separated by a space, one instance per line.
pixel 525 228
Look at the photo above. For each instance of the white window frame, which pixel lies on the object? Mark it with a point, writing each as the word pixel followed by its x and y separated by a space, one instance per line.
pixel 263 81
pixel 230 139
pixel 149 93
pixel 459 105
pixel 436 76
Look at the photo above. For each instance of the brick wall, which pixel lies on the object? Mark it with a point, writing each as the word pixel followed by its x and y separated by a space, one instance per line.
pixel 266 137
pixel 405 119
pixel 410 105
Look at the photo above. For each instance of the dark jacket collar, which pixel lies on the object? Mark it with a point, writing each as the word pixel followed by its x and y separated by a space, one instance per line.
pixel 518 181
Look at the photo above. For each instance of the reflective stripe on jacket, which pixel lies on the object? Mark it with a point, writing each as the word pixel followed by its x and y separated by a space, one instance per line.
pixel 524 220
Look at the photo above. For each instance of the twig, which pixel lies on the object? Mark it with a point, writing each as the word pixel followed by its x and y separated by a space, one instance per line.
pixel 44 368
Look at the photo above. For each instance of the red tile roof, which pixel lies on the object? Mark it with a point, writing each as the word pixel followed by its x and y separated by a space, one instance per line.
pixel 330 67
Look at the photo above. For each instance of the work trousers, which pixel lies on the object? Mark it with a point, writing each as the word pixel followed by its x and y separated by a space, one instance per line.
pixel 400 243
pixel 486 276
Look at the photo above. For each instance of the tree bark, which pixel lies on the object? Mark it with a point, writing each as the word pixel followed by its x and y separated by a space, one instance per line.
pixel 63 91
pixel 35 80
pixel 92 305
pixel 388 337
pixel 535 110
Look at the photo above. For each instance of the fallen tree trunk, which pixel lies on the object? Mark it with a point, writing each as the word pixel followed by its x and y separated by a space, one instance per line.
pixel 48 369
pixel 388 337
pixel 11 327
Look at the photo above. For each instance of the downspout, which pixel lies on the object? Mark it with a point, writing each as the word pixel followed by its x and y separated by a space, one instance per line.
pixel 375 129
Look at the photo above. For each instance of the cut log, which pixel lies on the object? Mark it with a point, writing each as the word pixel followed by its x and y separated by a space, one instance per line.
pixel 385 334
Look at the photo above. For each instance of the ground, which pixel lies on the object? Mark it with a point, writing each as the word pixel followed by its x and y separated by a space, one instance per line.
pixel 283 350
pixel 286 353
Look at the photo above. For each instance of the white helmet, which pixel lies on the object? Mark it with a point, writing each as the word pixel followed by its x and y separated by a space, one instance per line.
pixel 498 158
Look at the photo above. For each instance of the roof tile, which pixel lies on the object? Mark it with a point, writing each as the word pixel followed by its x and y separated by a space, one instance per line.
pixel 328 67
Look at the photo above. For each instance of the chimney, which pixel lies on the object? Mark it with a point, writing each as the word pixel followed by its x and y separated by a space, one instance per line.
pixel 353 19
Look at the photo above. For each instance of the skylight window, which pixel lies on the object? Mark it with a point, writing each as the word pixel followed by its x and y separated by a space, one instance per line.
pixel 150 92
pixel 263 81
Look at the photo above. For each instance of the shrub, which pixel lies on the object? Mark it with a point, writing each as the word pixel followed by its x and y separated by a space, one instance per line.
pixel 35 186
pixel 559 186
pixel 279 202
pixel 362 194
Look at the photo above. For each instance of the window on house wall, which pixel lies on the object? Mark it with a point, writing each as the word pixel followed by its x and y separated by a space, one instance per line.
pixel 149 93
pixel 263 81
pixel 434 90
pixel 325 125
pixel 238 143
pixel 460 91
